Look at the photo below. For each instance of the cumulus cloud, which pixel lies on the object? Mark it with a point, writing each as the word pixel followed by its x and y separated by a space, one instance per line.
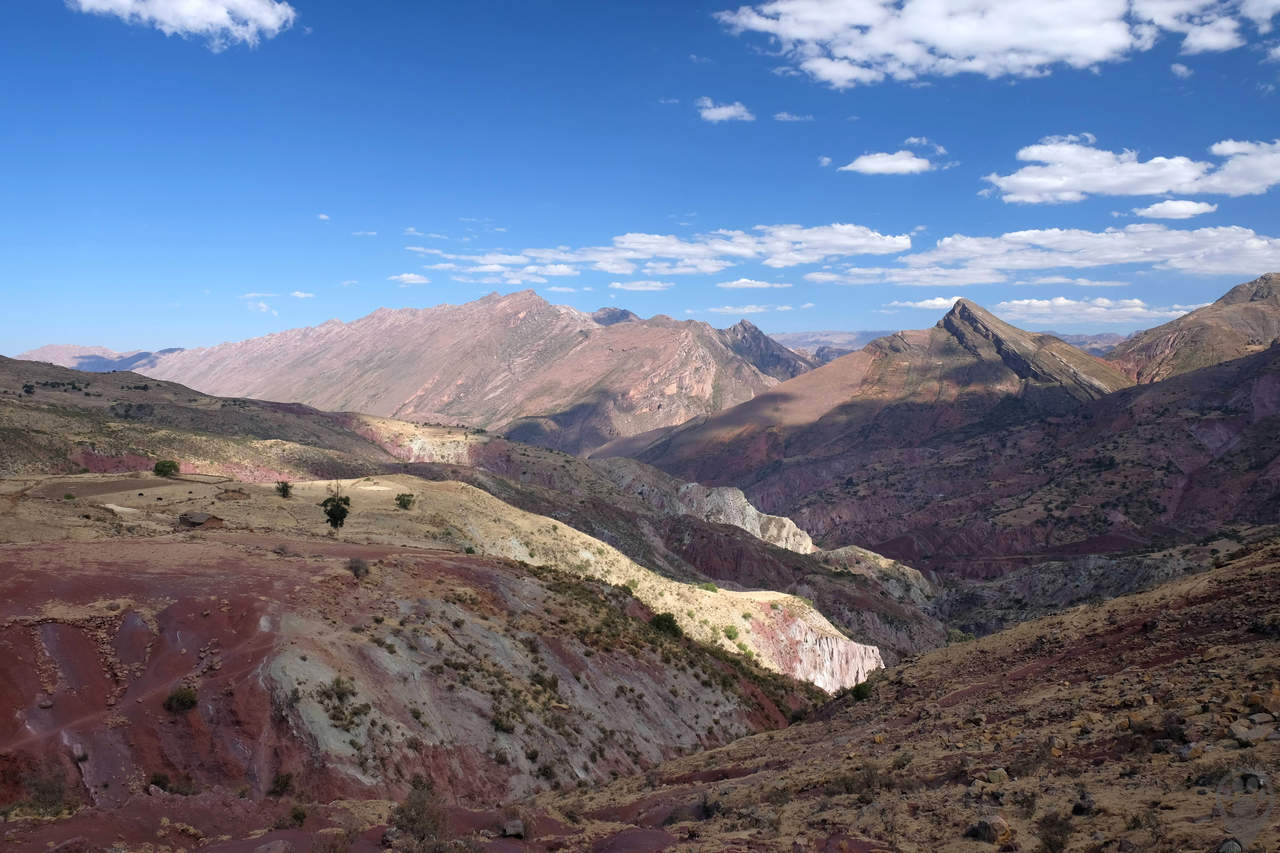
pixel 882 163
pixel 713 112
pixel 1061 309
pixel 298 294
pixel 409 278
pixel 323 217
pixel 220 22
pixel 1071 168
pixel 845 43
pixel 1180 70
pixel 786 116
pixel 937 303
pixel 824 161
pixel 1175 209
pixel 643 286
pixel 748 283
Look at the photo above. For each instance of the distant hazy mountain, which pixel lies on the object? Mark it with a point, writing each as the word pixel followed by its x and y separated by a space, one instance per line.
pixel 826 346
pixel 1093 344
pixel 96 359
pixel 1245 320
pixel 543 373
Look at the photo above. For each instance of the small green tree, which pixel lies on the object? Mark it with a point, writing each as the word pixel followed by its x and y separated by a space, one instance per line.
pixel 284 488
pixel 165 468
pixel 336 508
pixel 404 500
pixel 421 816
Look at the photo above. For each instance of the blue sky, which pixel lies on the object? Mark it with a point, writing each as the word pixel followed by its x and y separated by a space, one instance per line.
pixel 184 173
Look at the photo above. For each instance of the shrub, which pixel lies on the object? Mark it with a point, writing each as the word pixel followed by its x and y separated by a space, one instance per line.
pixel 1053 832
pixel 336 508
pixel 667 624
pixel 358 567
pixel 284 488
pixel 708 586
pixel 955 635
pixel 404 500
pixel 280 785
pixel 469 550
pixel 165 468
pixel 420 816
pixel 299 815
pixel 731 632
pixel 159 780
pixel 180 700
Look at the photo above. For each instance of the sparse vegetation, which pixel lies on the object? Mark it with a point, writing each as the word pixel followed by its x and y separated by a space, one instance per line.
pixel 358 567
pixel 165 468
pixel 284 488
pixel 708 586
pixel 404 500
pixel 731 632
pixel 280 785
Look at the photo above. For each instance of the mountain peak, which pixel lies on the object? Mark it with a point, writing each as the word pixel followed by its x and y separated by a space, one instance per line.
pixel 1264 288
pixel 609 316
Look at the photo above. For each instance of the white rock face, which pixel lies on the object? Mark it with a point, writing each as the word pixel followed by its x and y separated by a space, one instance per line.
pixel 812 651
pixel 720 504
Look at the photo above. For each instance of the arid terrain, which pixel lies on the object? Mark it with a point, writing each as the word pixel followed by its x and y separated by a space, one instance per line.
pixel 766 642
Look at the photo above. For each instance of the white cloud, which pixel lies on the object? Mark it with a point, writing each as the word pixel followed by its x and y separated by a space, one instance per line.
pixel 323 217
pixel 409 278
pixel 824 161
pixel 699 60
pixel 257 295
pixel 911 276
pixel 937 303
pixel 668 100
pixel 644 286
pixel 1078 282
pixel 558 289
pixel 924 142
pixel 221 22
pixel 748 283
pixel 351 282
pixel 1175 209
pixel 882 163
pixel 413 232
pixel 262 308
pixel 1071 169
pixel 713 112
pixel 298 294
pixel 1226 250
pixel 1060 309
pixel 844 43
pixel 1180 70
pixel 364 233
pixel 748 309
pixel 786 116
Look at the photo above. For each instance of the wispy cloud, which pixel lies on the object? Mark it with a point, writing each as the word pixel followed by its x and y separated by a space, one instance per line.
pixel 748 283
pixel 323 217
pixel 646 286
pixel 937 303
pixel 406 278
pixel 298 294
pixel 1061 309
pixel 786 116
pixel 364 233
